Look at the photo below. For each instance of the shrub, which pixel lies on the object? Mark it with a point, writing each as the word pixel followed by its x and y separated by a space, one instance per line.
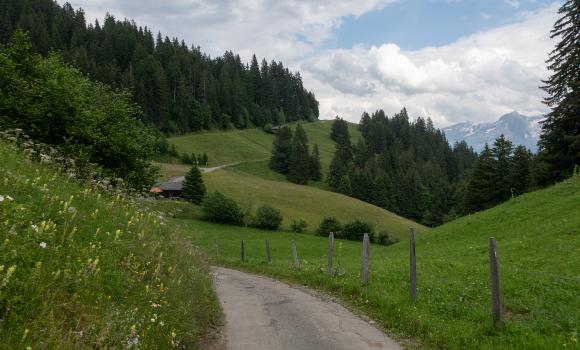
pixel 298 225
pixel 384 238
pixel 267 218
pixel 217 207
pixel 268 128
pixel 356 229
pixel 329 224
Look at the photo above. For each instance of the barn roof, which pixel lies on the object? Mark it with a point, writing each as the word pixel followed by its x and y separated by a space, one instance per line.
pixel 170 186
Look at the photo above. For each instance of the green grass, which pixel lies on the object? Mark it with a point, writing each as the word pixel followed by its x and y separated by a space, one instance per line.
pixel 539 256
pixel 302 202
pixel 250 145
pixel 81 268
pixel 252 183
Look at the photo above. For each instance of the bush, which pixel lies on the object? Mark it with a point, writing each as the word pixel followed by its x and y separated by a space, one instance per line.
pixel 384 238
pixel 329 224
pixel 217 207
pixel 298 226
pixel 355 230
pixel 267 218
pixel 268 128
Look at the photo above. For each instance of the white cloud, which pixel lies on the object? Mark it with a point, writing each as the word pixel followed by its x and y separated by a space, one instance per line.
pixel 280 30
pixel 477 78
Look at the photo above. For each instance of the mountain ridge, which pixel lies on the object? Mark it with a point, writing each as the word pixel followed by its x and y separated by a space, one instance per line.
pixel 520 129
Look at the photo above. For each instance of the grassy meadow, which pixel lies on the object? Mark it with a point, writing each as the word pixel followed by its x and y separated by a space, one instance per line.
pixel 251 145
pixel 539 254
pixel 81 268
pixel 308 203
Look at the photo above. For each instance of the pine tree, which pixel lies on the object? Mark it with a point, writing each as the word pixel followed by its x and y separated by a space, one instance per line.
pixel 344 186
pixel 315 168
pixel 281 150
pixel 339 130
pixel 299 162
pixel 193 186
pixel 342 159
pixel 479 192
pixel 502 154
pixel 560 138
pixel 520 170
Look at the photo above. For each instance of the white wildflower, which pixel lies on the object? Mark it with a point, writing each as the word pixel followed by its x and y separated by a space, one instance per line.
pixel 34 227
pixel 72 210
pixel 43 245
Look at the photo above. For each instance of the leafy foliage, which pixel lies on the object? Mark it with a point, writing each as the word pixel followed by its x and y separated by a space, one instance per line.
pixel 267 217
pixel 193 186
pixel 55 104
pixel 298 226
pixel 329 224
pixel 355 230
pixel 219 208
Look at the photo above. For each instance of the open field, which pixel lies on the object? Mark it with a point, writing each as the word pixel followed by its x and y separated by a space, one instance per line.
pixel 539 256
pixel 302 202
pixel 249 145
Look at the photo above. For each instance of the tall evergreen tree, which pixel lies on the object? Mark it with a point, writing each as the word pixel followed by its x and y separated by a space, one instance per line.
pixel 299 163
pixel 502 154
pixel 560 138
pixel 479 193
pixel 315 168
pixel 281 150
pixel 193 187
pixel 339 130
pixel 342 159
pixel 520 170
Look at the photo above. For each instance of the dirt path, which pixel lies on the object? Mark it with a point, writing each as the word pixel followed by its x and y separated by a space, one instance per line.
pixel 262 313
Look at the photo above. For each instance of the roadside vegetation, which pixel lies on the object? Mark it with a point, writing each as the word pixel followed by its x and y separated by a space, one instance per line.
pixel 82 267
pixel 537 235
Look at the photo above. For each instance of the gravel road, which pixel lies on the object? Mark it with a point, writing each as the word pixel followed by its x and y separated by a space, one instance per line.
pixel 262 313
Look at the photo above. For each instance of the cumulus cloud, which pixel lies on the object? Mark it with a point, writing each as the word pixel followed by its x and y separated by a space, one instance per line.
pixel 476 78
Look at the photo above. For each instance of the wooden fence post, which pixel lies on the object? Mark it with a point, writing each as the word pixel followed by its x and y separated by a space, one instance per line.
pixel 495 290
pixel 412 264
pixel 364 276
pixel 295 255
pixel 268 256
pixel 330 252
pixel 242 251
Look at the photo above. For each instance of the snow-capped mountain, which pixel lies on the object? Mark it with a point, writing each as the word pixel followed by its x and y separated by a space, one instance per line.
pixel 520 129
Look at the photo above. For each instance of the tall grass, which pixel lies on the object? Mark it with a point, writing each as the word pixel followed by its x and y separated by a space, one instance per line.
pixel 83 268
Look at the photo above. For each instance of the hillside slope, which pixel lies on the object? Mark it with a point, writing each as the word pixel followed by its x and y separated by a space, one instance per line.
pixel 539 251
pixel 83 268
pixel 303 202
pixel 251 183
pixel 251 145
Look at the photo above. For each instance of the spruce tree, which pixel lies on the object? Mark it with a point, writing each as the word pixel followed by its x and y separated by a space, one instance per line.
pixel 342 159
pixel 299 162
pixel 281 150
pixel 520 170
pixel 479 192
pixel 502 153
pixel 193 186
pixel 560 138
pixel 344 186
pixel 315 168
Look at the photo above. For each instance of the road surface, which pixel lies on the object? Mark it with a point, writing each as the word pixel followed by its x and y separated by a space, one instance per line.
pixel 262 313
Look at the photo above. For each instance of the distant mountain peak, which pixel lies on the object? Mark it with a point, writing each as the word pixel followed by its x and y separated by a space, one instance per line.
pixel 519 128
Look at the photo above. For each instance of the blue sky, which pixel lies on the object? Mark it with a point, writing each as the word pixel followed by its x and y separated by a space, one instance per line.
pixel 450 60
pixel 415 24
